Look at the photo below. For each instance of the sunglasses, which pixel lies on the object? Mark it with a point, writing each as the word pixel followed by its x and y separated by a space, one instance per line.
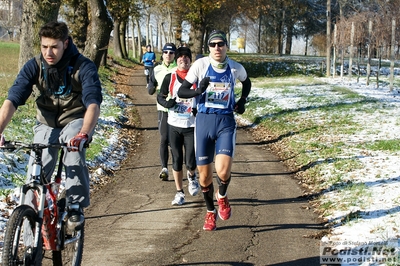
pixel 168 52
pixel 220 44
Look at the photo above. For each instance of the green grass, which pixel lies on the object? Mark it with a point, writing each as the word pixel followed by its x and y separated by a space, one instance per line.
pixel 8 68
pixel 392 145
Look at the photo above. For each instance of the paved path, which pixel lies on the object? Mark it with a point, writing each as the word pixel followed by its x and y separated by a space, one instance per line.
pixel 131 220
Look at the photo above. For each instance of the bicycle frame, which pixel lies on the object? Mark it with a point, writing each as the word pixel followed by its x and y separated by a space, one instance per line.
pixel 47 213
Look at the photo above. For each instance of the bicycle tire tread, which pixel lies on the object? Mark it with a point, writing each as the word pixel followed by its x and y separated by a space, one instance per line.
pixel 13 225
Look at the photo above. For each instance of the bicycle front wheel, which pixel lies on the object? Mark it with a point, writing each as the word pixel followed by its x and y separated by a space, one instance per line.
pixel 72 250
pixel 19 238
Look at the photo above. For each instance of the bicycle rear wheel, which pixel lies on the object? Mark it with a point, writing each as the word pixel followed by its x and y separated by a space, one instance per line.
pixel 71 241
pixel 72 251
pixel 19 238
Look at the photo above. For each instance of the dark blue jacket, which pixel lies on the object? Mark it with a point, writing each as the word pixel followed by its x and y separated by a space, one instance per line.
pixel 58 109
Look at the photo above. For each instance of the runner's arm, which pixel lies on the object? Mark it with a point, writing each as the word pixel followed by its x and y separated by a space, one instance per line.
pixel 185 91
pixel 163 94
pixel 246 87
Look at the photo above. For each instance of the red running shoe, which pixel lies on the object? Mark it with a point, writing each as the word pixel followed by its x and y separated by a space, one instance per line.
pixel 224 211
pixel 209 223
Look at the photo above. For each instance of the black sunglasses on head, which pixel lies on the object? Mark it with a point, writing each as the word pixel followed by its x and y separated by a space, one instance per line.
pixel 220 44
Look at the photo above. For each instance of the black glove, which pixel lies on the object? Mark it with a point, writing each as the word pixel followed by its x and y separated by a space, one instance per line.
pixel 203 85
pixel 170 103
pixel 151 89
pixel 239 107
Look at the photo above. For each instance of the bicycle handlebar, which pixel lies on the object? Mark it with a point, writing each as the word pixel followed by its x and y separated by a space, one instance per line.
pixel 12 145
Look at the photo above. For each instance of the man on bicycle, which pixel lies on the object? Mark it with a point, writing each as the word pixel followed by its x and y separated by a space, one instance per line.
pixel 68 97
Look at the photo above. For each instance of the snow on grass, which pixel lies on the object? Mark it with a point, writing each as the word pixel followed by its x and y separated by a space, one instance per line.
pixel 362 202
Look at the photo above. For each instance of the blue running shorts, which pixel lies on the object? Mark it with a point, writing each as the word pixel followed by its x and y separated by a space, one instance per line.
pixel 214 133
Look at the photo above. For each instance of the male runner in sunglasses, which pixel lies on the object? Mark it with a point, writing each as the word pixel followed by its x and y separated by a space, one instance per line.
pixel 215 125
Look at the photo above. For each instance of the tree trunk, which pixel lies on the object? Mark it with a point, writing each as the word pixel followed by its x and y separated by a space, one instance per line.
pixel 334 51
pixel 392 54
pixel 369 50
pixel 134 44
pixel 34 15
pixel 196 41
pixel 306 48
pixel 116 39
pixel 78 22
pixel 259 32
pixel 289 39
pixel 139 43
pixel 279 30
pixel 122 38
pixel 328 38
pixel 159 36
pixel 99 34
pixel 148 41
pixel 351 50
pixel 104 58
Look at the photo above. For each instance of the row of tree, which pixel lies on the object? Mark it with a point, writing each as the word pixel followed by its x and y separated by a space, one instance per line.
pixel 367 29
pixel 270 25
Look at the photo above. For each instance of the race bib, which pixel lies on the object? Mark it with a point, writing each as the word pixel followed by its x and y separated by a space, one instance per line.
pixel 218 95
pixel 182 109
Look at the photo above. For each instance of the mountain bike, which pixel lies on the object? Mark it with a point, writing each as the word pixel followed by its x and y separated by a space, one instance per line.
pixel 31 232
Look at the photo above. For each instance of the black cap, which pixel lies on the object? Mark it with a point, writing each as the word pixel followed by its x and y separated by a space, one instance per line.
pixel 183 51
pixel 169 47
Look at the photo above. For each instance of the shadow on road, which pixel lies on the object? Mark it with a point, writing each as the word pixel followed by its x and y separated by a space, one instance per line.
pixel 215 263
pixel 300 262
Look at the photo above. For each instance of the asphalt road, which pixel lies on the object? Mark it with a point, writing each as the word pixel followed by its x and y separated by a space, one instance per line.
pixel 131 220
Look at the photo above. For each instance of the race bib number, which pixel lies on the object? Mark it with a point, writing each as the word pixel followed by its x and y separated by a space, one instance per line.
pixel 182 108
pixel 218 95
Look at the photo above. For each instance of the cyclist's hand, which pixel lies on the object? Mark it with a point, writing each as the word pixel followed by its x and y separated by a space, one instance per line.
pixel 2 140
pixel 77 143
pixel 203 85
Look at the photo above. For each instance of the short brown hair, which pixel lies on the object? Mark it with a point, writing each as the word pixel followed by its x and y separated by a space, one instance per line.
pixel 54 30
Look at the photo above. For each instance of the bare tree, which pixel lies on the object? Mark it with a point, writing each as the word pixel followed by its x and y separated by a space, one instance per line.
pixel 35 14
pixel 328 38
pixel 99 33
pixel 76 15
pixel 10 21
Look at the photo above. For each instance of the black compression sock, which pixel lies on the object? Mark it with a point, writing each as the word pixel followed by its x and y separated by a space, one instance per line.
pixel 208 194
pixel 223 186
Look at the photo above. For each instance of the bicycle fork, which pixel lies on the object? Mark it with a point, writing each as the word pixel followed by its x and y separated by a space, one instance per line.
pixel 37 197
pixel 40 190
